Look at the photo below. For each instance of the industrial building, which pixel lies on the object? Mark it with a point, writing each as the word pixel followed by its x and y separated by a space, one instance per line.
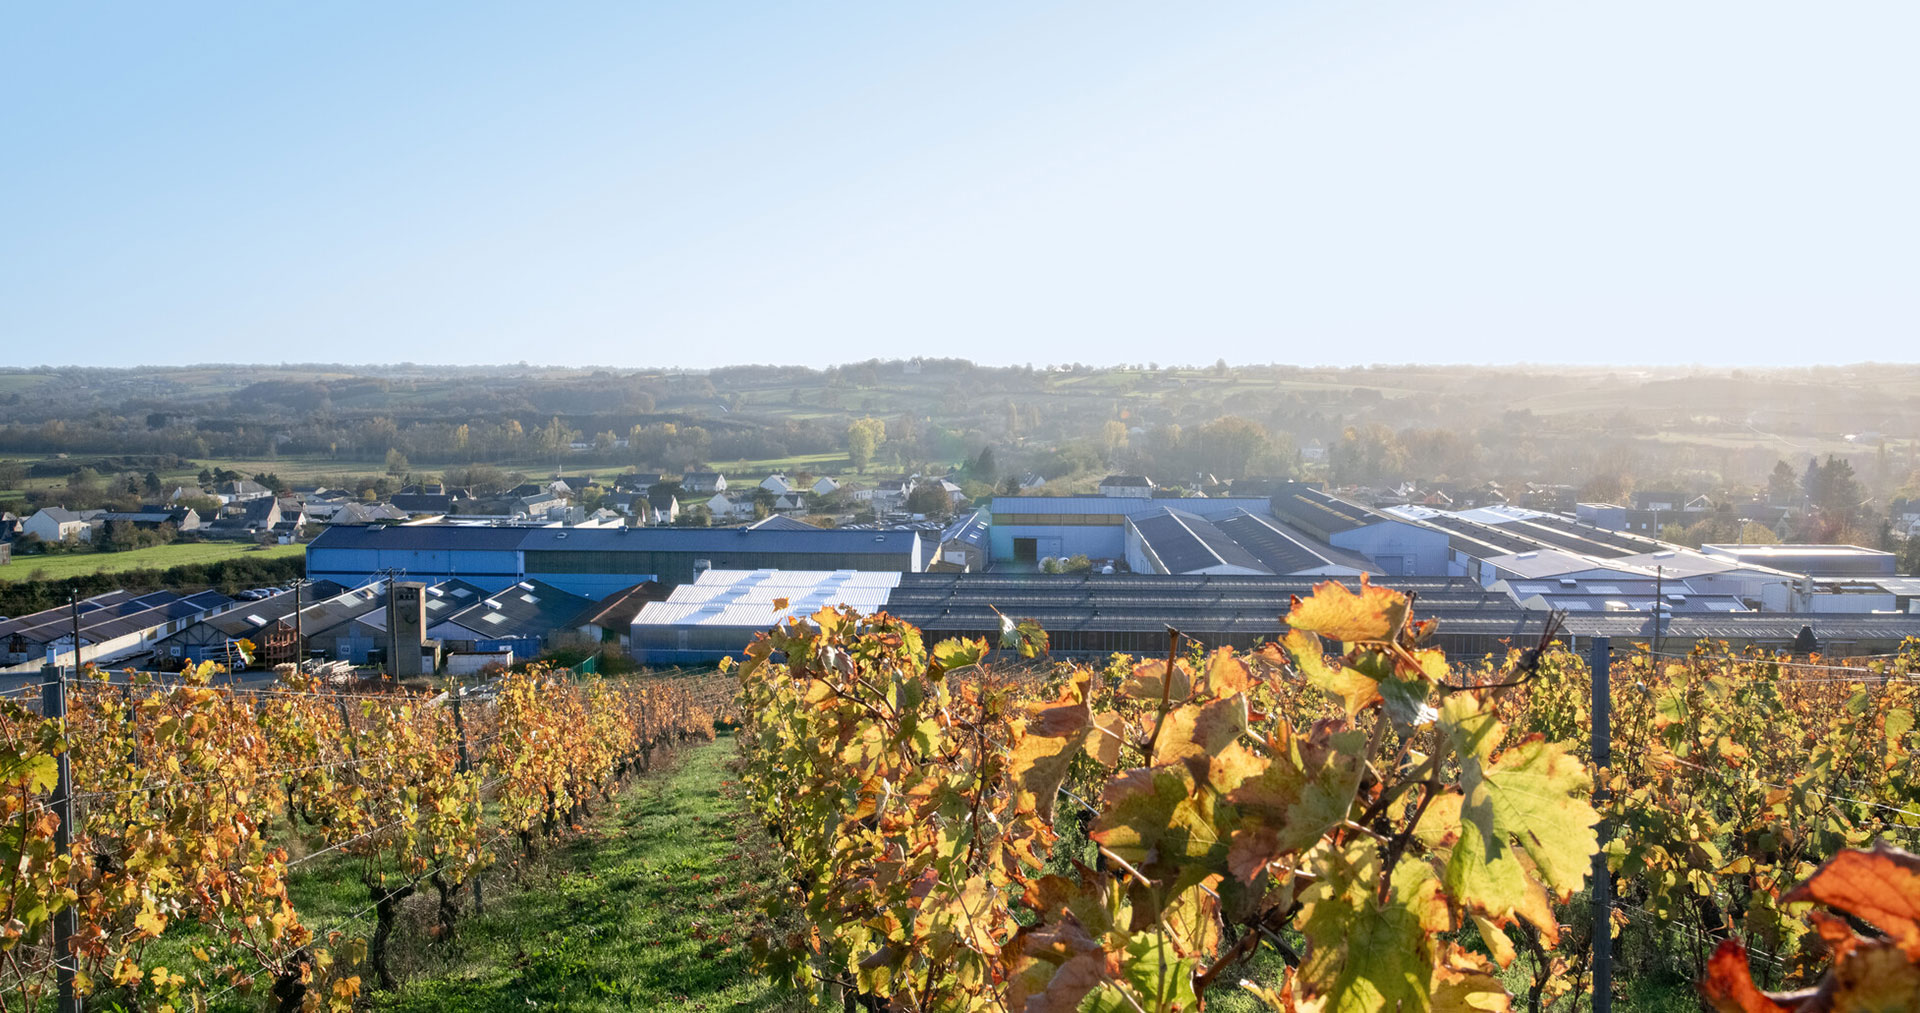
pixel 113 625
pixel 595 562
pixel 1173 540
pixel 1397 546
pixel 1845 561
pixel 1096 615
pixel 719 614
pixel 1031 528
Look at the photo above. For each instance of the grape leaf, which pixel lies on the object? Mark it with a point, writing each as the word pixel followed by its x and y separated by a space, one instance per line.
pixel 1881 887
pixel 1155 815
pixel 1193 733
pixel 1352 686
pixel 1365 956
pixel 1534 793
pixel 1303 792
pixel 1044 745
pixel 1336 613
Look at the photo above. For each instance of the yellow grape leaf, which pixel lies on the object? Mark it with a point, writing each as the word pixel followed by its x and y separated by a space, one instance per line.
pixel 1044 745
pixel 1354 687
pixel 1365 956
pixel 1491 882
pixel 1336 613
pixel 1534 794
pixel 150 921
pixel 1157 812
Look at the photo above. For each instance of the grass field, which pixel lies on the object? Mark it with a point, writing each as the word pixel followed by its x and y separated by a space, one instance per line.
pixel 648 910
pixel 80 564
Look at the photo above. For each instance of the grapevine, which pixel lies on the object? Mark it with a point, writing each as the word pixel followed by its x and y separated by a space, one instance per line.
pixel 1338 806
pixel 193 803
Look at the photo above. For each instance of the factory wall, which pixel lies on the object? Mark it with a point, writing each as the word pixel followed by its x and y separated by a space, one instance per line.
pixel 1400 550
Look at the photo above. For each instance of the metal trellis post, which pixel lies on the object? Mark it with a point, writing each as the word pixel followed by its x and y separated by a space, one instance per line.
pixel 66 923
pixel 466 764
pixel 1602 666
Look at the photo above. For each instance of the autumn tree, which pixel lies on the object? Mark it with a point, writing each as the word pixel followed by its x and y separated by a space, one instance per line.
pixel 864 437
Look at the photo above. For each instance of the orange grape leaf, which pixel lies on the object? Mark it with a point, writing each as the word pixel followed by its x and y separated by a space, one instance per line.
pixel 1332 611
pixel 1145 683
pixel 1303 792
pixel 1881 887
pixel 1196 732
pixel 1465 983
pixel 1729 983
pixel 1227 674
pixel 1109 734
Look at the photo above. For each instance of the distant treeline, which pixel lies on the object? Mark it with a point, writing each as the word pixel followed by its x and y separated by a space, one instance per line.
pixel 24 596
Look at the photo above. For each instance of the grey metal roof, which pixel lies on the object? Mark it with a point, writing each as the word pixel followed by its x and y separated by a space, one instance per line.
pixel 420 538
pixel 530 608
pixel 116 616
pixel 1284 550
pixel 659 539
pixel 969 530
pixel 1195 603
pixel 1185 543
pixel 1317 511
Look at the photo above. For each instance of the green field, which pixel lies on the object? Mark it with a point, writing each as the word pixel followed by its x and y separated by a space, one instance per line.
pixel 651 909
pixel 80 564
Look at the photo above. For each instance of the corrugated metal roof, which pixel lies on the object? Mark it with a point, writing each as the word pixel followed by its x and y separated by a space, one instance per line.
pixel 716 539
pixel 530 608
pixel 745 598
pixel 1186 543
pixel 419 537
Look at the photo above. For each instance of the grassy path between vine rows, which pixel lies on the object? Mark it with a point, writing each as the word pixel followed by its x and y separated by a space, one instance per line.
pixel 649 909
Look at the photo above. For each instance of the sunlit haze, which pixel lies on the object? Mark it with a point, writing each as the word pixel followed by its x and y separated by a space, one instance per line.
pixel 621 184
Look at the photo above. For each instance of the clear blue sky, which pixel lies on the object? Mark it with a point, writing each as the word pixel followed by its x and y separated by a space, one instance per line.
pixel 697 184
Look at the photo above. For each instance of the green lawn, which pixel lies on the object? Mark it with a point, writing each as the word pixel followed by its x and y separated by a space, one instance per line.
pixel 80 564
pixel 649 910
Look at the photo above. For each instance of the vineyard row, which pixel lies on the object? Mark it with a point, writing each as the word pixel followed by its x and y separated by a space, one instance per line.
pixel 1396 831
pixel 149 830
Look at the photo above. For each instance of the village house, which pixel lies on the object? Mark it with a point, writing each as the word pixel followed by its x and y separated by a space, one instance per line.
pixel 58 524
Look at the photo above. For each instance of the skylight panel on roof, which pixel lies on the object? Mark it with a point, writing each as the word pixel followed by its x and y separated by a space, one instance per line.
pixel 494 617
pixel 529 599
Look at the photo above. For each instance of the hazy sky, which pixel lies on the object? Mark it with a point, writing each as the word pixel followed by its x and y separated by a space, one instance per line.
pixel 697 184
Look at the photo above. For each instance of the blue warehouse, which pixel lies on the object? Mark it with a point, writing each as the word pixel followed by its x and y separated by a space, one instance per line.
pixel 596 562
